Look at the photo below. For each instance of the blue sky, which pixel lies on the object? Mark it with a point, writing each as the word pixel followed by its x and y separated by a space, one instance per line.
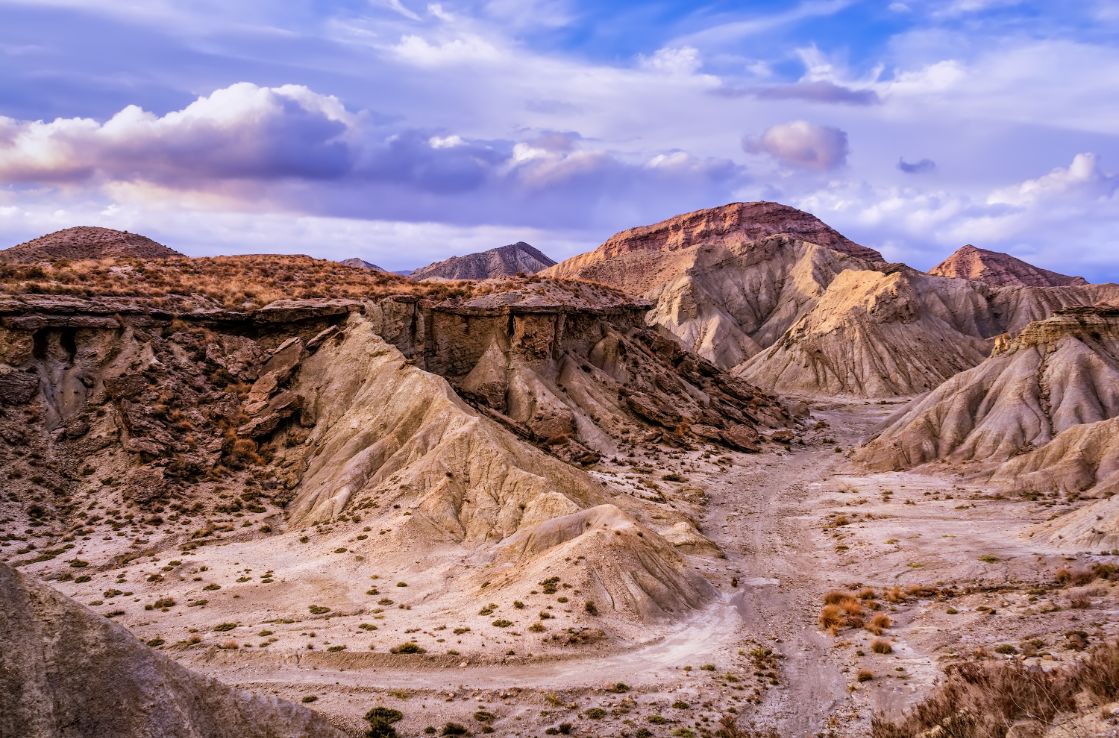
pixel 403 131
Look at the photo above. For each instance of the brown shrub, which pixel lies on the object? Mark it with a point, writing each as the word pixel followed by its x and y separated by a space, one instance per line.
pixel 982 699
pixel 841 610
pixel 879 623
pixel 881 645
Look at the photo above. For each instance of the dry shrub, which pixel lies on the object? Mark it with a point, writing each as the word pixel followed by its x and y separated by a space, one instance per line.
pixel 982 699
pixel 881 645
pixel 233 281
pixel 894 594
pixel 879 623
pixel 841 610
pixel 728 728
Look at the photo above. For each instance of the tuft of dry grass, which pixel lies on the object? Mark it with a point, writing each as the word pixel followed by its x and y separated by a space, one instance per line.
pixel 879 623
pixel 841 610
pixel 881 645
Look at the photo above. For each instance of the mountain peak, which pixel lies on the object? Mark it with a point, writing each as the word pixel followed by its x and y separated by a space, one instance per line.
pixel 360 264
pixel 88 242
pixel 503 261
pixel 999 270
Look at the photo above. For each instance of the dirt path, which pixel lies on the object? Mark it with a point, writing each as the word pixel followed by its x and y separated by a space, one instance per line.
pixel 756 515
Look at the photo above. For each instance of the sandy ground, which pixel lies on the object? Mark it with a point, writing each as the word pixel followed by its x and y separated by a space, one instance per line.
pixel 262 612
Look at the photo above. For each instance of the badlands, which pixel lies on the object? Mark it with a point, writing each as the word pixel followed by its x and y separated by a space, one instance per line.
pixel 731 474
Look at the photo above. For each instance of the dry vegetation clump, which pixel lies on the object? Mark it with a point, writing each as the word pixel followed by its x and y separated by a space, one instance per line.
pixel 729 728
pixel 843 610
pixel 983 699
pixel 1067 577
pixel 236 282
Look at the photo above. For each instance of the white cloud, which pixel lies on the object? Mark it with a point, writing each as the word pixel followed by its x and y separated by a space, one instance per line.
pixel 1083 179
pixel 678 60
pixel 802 144
pixel 416 50
pixel 239 132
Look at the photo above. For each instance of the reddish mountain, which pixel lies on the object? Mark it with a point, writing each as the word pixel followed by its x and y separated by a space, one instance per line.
pixel 999 270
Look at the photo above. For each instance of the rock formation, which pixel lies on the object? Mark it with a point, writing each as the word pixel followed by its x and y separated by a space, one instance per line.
pixel 1056 374
pixel 999 270
pixel 573 367
pixel 66 672
pixel 1083 460
pixel 504 261
pixel 308 406
pixel 87 242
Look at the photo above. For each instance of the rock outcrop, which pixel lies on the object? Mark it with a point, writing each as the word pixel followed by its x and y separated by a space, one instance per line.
pixel 88 242
pixel 306 408
pixel 1094 528
pixel 639 260
pixel 999 270
pixel 66 672
pixel 1056 374
pixel 504 261
pixel 573 367
pixel 726 281
pixel 877 334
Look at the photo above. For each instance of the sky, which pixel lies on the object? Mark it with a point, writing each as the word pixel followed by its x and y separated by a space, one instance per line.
pixel 402 132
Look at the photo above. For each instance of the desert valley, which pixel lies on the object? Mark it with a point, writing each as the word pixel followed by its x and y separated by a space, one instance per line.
pixel 729 474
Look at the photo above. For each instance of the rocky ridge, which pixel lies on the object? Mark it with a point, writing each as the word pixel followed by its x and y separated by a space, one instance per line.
pixel 360 264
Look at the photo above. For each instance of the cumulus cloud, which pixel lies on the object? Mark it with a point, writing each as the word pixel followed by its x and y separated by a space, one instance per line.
pixel 1082 179
pixel 802 144
pixel 240 132
pixel 924 166
pixel 674 60
pixel 290 149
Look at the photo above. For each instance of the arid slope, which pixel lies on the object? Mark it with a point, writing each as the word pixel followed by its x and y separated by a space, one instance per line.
pixel 504 261
pixel 1057 373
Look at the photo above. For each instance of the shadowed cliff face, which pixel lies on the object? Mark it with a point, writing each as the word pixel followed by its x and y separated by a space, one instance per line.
pixel 66 672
